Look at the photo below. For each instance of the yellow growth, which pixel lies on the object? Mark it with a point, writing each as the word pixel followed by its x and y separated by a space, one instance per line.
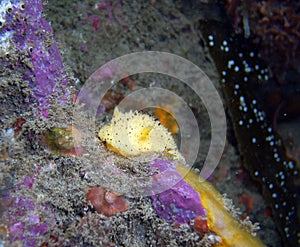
pixel 219 219
pixel 134 134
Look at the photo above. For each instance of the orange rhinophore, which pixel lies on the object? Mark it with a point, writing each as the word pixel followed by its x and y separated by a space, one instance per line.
pixel 166 120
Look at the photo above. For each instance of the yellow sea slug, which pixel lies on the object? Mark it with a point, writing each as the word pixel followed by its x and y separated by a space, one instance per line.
pixel 134 134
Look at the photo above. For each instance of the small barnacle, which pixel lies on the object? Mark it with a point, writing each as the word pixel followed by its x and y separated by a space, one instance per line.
pixel 9 9
pixel 2 22
pixel 22 6
pixel 63 141
pixel 30 49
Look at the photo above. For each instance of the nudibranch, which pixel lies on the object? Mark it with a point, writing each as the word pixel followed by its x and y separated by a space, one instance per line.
pixel 242 71
pixel 134 134
pixel 182 195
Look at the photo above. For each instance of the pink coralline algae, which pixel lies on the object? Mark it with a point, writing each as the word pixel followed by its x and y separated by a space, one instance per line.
pixel 25 219
pixel 27 45
pixel 178 201
pixel 26 223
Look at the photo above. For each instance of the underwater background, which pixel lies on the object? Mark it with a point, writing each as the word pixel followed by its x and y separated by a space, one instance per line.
pixel 61 186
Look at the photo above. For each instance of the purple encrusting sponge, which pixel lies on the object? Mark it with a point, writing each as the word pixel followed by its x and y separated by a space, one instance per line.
pixel 174 199
pixel 27 46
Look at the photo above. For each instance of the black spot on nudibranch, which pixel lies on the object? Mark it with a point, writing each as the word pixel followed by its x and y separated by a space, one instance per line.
pixel 261 148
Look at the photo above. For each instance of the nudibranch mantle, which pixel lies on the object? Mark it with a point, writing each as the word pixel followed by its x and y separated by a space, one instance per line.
pixel 134 134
